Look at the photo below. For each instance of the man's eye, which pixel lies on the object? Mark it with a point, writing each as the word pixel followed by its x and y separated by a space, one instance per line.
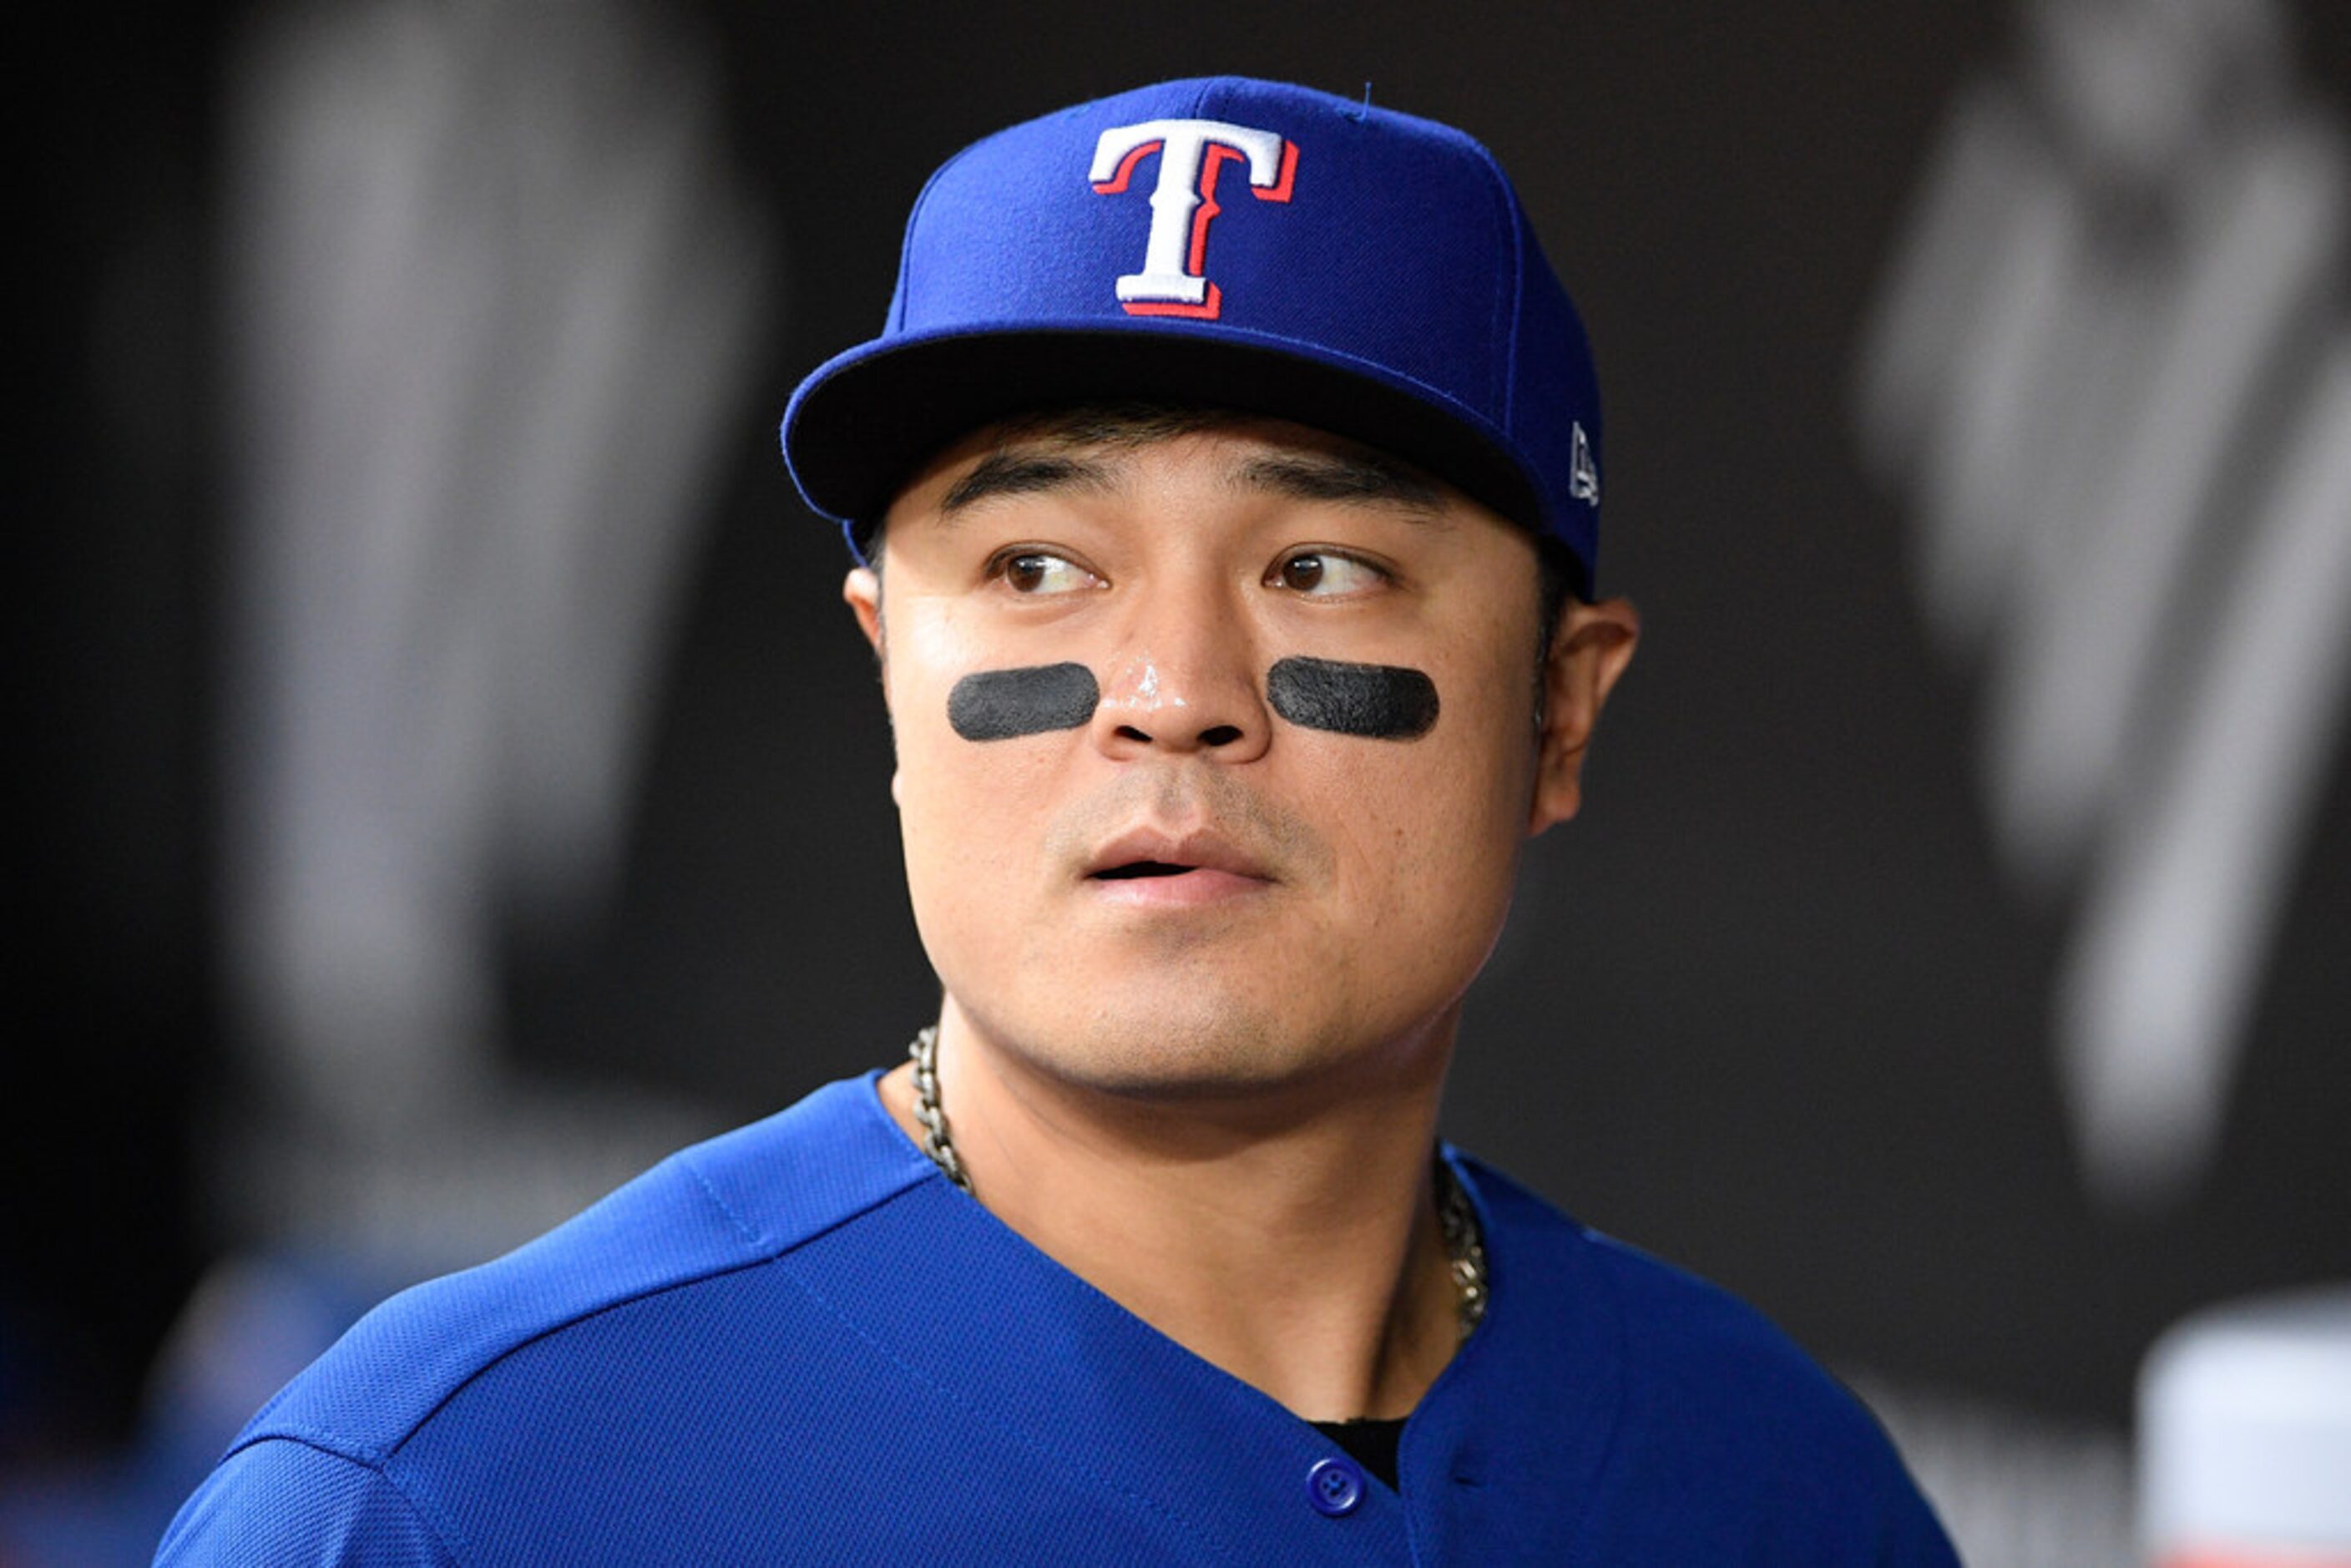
pixel 1035 572
pixel 1325 575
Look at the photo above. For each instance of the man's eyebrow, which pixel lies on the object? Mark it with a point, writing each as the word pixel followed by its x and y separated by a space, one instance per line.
pixel 1345 478
pixel 1015 471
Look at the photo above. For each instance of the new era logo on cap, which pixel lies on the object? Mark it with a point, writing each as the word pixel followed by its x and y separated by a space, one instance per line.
pixel 1582 473
pixel 1383 284
pixel 1192 153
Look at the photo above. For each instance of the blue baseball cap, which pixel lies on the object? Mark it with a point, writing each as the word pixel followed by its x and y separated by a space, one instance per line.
pixel 1230 242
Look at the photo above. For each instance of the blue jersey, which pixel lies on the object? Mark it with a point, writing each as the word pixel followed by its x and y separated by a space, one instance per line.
pixel 800 1343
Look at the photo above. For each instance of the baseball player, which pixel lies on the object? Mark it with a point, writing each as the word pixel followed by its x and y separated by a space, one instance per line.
pixel 1225 485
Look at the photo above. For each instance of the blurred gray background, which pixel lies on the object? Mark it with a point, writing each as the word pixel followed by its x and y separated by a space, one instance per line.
pixel 453 782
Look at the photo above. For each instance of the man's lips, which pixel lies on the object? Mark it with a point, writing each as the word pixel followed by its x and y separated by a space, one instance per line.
pixel 1143 852
pixel 1152 866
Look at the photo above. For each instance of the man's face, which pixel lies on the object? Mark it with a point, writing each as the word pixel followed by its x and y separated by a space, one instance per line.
pixel 1215 752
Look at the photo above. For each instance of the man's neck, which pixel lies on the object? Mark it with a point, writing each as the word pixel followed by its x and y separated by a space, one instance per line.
pixel 1290 1237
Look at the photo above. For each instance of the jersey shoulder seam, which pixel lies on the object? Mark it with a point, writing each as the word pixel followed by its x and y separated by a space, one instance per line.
pixel 753 1240
pixel 445 1535
pixel 762 1250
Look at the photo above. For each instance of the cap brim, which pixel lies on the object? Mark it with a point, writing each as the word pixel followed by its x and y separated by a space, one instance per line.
pixel 862 423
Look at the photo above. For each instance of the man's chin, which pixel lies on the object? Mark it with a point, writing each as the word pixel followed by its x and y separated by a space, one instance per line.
pixel 1189 1048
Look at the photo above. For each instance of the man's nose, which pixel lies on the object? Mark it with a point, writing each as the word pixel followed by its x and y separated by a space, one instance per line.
pixel 1184 679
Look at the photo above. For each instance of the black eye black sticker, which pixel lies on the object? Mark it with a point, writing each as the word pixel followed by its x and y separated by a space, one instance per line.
pixel 1382 702
pixel 1001 705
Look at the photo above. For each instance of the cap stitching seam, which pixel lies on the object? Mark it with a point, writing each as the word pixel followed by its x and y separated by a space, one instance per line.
pixel 898 303
pixel 1515 252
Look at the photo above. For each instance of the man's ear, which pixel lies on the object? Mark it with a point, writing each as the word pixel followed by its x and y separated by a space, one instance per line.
pixel 862 591
pixel 1589 652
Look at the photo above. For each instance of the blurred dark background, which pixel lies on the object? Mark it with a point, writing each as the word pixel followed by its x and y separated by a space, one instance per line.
pixel 1777 1006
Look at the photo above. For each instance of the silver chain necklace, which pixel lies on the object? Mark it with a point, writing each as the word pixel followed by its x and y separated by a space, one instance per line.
pixel 1463 1245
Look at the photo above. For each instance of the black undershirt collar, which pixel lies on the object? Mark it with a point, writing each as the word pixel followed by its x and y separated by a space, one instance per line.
pixel 1370 1443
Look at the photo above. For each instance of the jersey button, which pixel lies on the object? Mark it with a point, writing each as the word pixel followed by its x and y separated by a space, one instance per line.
pixel 1334 1486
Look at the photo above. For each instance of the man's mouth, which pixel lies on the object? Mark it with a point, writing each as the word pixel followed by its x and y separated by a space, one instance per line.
pixel 1134 869
pixel 1149 868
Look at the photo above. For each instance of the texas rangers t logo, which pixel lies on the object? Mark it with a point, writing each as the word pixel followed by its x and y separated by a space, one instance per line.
pixel 1192 152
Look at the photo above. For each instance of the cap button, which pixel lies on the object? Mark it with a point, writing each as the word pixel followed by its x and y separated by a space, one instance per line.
pixel 1334 1487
